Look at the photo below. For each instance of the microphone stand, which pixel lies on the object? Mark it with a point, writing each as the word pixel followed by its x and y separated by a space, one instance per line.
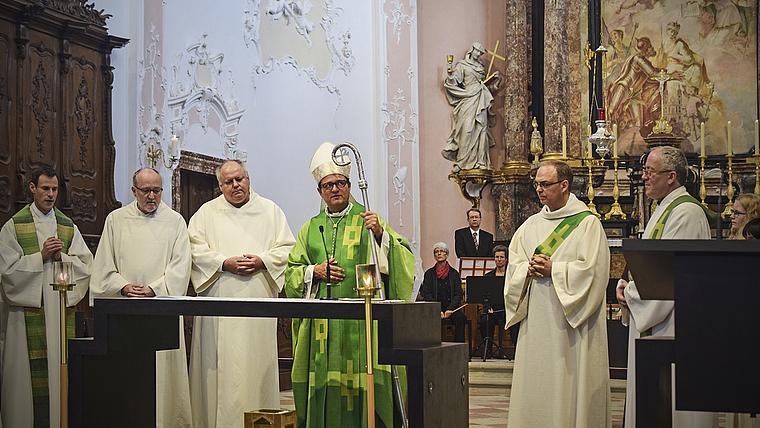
pixel 370 385
pixel 327 281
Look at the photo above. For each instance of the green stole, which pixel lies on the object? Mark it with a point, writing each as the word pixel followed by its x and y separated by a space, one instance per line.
pixel 329 384
pixel 36 340
pixel 560 233
pixel 660 225
pixel 547 248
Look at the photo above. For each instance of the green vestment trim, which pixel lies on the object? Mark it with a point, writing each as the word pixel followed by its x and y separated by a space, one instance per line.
pixel 560 233
pixel 36 341
pixel 329 356
pixel 660 225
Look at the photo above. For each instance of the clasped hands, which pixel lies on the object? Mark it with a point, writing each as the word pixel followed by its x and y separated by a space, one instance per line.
pixel 336 272
pixel 540 266
pixel 51 248
pixel 620 293
pixel 248 264
pixel 137 290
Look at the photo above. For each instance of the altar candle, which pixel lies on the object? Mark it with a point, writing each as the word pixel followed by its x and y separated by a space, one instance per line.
pixel 589 130
pixel 730 152
pixel 564 141
pixel 702 136
pixel 63 278
pixel 757 139
pixel 590 148
pixel 175 140
pixel 614 143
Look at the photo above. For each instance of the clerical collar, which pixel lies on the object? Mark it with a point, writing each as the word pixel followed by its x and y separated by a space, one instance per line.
pixel 40 214
pixel 342 212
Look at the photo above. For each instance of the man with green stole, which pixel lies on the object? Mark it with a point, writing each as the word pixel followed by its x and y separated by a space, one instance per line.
pixel 30 242
pixel 329 356
pixel 677 216
pixel 555 286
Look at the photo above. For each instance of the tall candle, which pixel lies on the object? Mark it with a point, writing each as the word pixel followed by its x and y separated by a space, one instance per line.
pixel 590 148
pixel 614 143
pixel 564 141
pixel 589 130
pixel 730 152
pixel 702 135
pixel 175 140
pixel 757 139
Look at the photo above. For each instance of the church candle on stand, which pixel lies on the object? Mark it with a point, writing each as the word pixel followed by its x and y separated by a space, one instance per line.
pixel 730 152
pixel 757 139
pixel 564 141
pixel 614 144
pixel 175 140
pixel 702 137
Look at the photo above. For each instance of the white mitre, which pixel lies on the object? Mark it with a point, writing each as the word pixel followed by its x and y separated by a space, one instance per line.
pixel 322 163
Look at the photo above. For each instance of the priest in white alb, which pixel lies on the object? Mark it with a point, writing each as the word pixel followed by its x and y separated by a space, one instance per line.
pixel 555 287
pixel 677 216
pixel 240 244
pixel 30 242
pixel 144 251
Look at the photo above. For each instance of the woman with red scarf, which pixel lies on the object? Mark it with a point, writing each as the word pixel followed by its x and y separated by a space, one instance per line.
pixel 442 284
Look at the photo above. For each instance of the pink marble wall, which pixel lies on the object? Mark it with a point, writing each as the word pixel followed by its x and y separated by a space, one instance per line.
pixel 450 27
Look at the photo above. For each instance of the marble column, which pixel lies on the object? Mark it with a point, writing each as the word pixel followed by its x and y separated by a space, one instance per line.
pixel 556 73
pixel 515 202
pixel 516 79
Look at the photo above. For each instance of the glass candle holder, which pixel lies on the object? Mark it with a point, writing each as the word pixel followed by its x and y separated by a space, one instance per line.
pixel 63 273
pixel 365 276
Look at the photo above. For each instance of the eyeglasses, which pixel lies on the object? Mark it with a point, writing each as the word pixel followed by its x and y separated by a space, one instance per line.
pixel 737 213
pixel 650 171
pixel 536 185
pixel 155 190
pixel 340 184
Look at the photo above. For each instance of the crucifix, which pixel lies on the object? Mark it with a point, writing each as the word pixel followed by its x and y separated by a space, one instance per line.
pixel 662 126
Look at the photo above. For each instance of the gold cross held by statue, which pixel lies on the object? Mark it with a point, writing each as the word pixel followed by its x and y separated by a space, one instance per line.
pixel 493 54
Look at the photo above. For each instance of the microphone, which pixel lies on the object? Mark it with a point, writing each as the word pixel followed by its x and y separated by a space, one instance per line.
pixel 322 232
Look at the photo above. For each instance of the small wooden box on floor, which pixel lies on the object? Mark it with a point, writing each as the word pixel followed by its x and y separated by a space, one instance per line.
pixel 275 418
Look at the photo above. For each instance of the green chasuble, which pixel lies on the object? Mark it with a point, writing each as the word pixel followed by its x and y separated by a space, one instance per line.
pixel 329 356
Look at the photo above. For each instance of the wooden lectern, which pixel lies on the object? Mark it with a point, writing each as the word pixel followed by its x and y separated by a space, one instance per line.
pixel 715 286
pixel 118 364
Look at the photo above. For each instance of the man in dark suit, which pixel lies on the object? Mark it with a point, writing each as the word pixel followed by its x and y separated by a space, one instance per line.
pixel 472 241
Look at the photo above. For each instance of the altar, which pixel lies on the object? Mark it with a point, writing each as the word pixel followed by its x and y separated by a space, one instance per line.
pixel 112 375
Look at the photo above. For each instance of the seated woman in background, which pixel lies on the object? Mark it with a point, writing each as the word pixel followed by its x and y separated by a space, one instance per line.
pixel 494 318
pixel 442 284
pixel 746 208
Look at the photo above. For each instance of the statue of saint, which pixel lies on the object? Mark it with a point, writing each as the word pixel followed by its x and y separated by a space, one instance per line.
pixel 468 90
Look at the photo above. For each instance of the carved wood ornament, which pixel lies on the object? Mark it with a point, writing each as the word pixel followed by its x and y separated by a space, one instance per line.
pixel 55 107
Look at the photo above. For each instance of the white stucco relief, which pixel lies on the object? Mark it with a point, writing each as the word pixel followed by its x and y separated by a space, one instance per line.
pixel 150 124
pixel 399 123
pixel 398 16
pixel 337 56
pixel 202 89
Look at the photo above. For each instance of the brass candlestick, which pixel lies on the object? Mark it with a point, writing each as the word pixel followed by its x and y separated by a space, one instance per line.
pixel 730 192
pixel 616 211
pixel 63 275
pixel 365 275
pixel 536 142
pixel 591 205
pixel 702 189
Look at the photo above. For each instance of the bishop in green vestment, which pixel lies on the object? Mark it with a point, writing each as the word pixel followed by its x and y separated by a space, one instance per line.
pixel 329 356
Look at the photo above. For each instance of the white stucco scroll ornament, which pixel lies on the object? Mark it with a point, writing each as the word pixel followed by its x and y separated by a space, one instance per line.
pixel 202 91
pixel 302 15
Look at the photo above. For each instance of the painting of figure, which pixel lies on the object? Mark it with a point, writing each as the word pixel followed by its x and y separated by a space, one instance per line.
pixel 707 51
